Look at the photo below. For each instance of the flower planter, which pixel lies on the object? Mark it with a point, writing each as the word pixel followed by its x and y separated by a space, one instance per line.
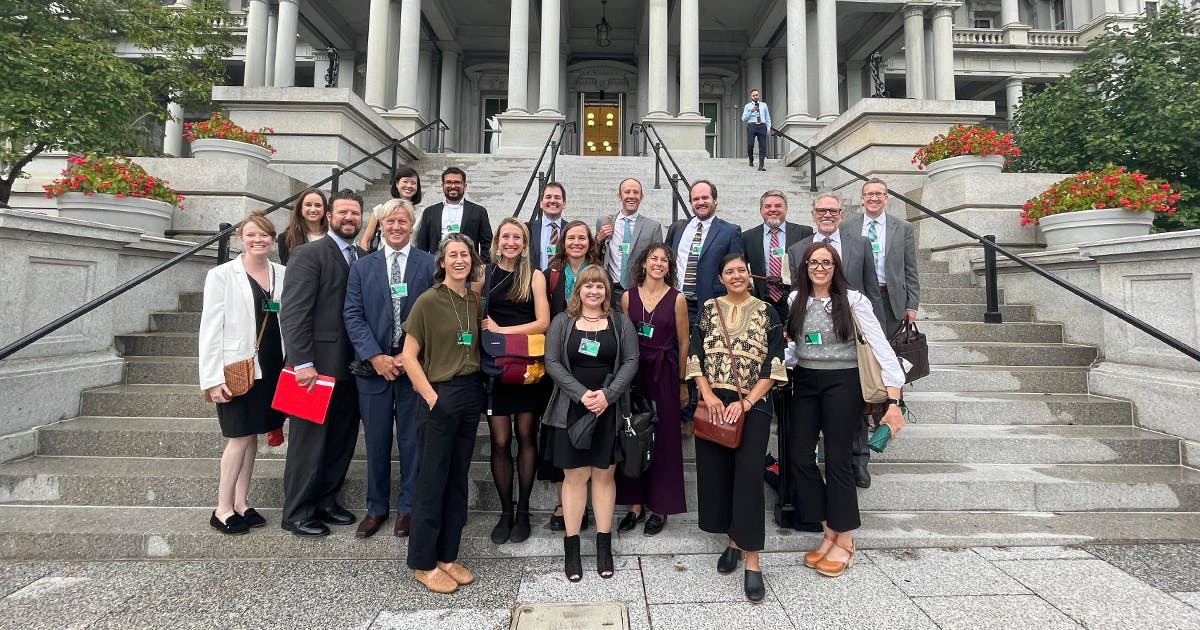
pixel 148 215
pixel 222 149
pixel 959 164
pixel 1070 229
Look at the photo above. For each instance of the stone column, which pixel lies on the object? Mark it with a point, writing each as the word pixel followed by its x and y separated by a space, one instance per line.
pixel 425 69
pixel 375 93
pixel 346 69
pixel 752 75
pixel 1014 89
pixel 256 44
pixel 943 53
pixel 914 51
pixel 656 59
pixel 827 72
pixel 272 44
pixel 854 82
pixel 448 107
pixel 1081 13
pixel 643 83
pixel 797 59
pixel 1129 7
pixel 549 66
pixel 779 89
pixel 1112 7
pixel 173 130
pixel 518 55
pixel 285 45
pixel 409 56
pixel 1009 13
pixel 689 57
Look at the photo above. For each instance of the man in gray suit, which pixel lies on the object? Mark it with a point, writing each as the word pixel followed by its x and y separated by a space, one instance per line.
pixel 765 245
pixel 855 250
pixel 623 237
pixel 895 251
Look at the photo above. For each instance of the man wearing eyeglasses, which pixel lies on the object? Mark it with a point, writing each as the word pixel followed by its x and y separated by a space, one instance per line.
pixel 766 246
pixel 858 265
pixel 894 249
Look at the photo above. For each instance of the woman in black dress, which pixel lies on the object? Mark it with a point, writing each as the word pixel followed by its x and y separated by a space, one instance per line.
pixel 514 302
pixel 307 223
pixel 240 308
pixel 592 356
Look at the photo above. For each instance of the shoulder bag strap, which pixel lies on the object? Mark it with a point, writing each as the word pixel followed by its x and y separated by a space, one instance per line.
pixel 737 381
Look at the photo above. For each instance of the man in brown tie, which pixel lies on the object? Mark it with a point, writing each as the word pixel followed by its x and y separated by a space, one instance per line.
pixel 545 230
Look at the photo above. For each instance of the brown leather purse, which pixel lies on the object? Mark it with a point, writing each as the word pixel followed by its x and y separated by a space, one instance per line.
pixel 714 429
pixel 239 375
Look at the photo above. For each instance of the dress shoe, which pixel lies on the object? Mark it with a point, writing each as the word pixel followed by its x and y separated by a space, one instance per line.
pixel 275 438
pixel 403 525
pixel 253 518
pixel 335 515
pixel 369 525
pixel 762 168
pixel 834 568
pixel 458 573
pixel 503 529
pixel 307 527
pixel 235 524
pixel 630 520
pixel 556 523
pixel 862 476
pixel 813 557
pixel 520 528
pixel 755 589
pixel 654 525
pixel 437 581
pixel 728 561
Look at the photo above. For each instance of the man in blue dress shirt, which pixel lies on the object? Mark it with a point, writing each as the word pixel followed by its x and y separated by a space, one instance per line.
pixel 758 123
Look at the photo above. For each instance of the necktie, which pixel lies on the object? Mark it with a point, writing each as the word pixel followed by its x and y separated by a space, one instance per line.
pixel 553 241
pixel 397 277
pixel 775 267
pixel 826 240
pixel 351 254
pixel 625 257
pixel 693 260
pixel 874 238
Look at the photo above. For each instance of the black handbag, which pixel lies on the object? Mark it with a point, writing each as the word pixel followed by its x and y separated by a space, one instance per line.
pixel 635 437
pixel 912 350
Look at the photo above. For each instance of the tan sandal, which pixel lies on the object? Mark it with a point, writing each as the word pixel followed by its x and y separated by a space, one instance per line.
pixel 834 568
pixel 813 557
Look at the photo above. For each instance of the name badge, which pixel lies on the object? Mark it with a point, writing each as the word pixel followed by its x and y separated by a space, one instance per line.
pixel 589 347
pixel 464 338
pixel 812 339
pixel 875 247
pixel 400 289
pixel 776 252
pixel 645 330
pixel 695 250
pixel 551 250
pixel 453 227
pixel 270 306
pixel 623 248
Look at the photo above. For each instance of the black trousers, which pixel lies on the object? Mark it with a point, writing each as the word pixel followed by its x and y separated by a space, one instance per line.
pixel 318 455
pixel 827 402
pixel 446 435
pixel 756 130
pixel 729 482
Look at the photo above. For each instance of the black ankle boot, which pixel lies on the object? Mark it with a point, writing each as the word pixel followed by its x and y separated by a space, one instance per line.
pixel 604 558
pixel 503 528
pixel 520 527
pixel 572 566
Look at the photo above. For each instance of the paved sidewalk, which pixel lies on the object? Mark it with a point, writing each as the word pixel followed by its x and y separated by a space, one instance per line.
pixel 1110 586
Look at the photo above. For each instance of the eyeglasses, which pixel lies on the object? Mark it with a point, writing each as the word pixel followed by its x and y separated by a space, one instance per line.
pixel 829 211
pixel 874 194
pixel 819 264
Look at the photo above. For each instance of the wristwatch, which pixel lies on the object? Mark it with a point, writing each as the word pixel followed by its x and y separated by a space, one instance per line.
pixel 892 401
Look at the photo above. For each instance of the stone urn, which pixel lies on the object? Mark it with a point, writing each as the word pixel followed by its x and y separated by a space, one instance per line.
pixel 1070 229
pixel 222 149
pixel 151 216
pixel 959 164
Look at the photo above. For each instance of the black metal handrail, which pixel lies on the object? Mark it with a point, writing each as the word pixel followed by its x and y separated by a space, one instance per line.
pixel 221 235
pixel 991 248
pixel 535 172
pixel 678 203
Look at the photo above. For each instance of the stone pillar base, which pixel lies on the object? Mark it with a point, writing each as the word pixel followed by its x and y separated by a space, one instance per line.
pixel 405 120
pixel 801 128
pixel 524 135
pixel 1017 34
pixel 682 135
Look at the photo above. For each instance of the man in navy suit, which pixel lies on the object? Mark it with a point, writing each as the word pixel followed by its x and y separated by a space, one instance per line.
pixel 455 215
pixel 699 244
pixel 382 289
pixel 544 231
pixel 766 247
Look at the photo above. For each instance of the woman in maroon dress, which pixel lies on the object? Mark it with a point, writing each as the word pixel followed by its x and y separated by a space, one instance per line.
pixel 659 315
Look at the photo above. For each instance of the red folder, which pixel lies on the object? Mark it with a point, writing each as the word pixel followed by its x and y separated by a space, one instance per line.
pixel 296 401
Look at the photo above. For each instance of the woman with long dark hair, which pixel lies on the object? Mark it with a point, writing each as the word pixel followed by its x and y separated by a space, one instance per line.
pixel 308 222
pixel 406 186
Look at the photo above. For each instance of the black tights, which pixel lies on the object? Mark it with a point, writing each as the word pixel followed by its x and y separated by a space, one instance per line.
pixel 502 461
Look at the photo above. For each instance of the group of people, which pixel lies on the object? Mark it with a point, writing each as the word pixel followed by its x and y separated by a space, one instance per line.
pixel 698 315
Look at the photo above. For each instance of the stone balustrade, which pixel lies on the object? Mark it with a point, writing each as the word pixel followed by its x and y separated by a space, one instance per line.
pixel 987 37
pixel 978 37
pixel 1053 39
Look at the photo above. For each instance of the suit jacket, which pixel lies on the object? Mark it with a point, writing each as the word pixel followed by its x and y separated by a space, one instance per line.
pixel 857 264
pixel 723 238
pixel 475 224
pixel 314 330
pixel 537 250
pixel 228 328
pixel 368 307
pixel 899 262
pixel 753 242
pixel 645 232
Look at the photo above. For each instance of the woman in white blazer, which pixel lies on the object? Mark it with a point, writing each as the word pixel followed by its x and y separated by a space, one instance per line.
pixel 241 298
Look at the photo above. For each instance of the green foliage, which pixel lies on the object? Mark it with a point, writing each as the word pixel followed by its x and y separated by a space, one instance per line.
pixel 1135 101
pixel 81 74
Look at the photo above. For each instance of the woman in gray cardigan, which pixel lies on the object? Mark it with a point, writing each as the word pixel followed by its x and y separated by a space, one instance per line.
pixel 592 357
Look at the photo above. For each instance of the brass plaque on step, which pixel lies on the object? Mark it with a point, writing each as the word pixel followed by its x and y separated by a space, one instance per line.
pixel 605 616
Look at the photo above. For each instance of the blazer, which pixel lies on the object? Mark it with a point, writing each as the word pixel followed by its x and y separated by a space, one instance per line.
pixel 567 388
pixel 368 306
pixel 723 238
pixel 857 262
pixel 310 317
pixel 227 327
pixel 645 232
pixel 752 240
pixel 475 224
pixel 537 251
pixel 899 262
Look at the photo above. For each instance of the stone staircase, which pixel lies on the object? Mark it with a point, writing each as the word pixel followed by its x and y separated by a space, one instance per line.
pixel 1005 447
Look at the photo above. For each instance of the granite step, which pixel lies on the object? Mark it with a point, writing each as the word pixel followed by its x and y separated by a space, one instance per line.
pixel 179 401
pixel 1000 378
pixel 178 321
pixel 191 302
pixel 955 295
pixel 171 344
pixel 1007 353
pixel 115 533
pixel 977 331
pixel 897 487
pixel 947 280
pixel 1015 409
pixel 162 371
pixel 972 312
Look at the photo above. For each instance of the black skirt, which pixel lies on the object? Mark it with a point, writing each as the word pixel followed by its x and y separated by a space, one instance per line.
pixel 251 413
pixel 591 372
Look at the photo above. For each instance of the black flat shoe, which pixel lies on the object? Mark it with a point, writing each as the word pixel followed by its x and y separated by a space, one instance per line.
pixel 233 525
pixel 572 565
pixel 253 518
pixel 503 529
pixel 604 558
pixel 556 522
pixel 630 520
pixel 728 562
pixel 755 589
pixel 654 525
pixel 308 527
pixel 335 515
pixel 520 528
